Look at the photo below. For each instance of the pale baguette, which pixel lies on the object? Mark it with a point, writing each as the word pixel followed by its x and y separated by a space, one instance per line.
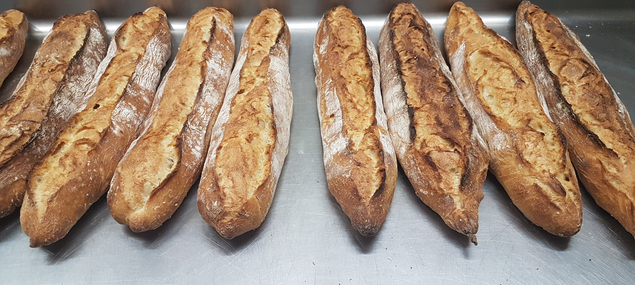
pixel 436 142
pixel 161 165
pixel 597 126
pixel 360 162
pixel 250 138
pixel 13 31
pixel 76 171
pixel 528 152
pixel 48 96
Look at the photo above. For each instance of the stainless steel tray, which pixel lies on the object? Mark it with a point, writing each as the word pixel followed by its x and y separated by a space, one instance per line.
pixel 306 238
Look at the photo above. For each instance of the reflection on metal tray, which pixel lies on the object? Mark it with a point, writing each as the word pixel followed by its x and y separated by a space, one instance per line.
pixel 306 238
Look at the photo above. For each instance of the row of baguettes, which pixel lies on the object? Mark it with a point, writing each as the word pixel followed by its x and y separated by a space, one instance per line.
pixel 521 113
pixel 529 116
pixel 87 116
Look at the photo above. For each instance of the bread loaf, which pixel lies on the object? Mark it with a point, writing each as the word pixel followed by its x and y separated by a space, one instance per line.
pixel 436 143
pixel 528 152
pixel 250 138
pixel 360 162
pixel 77 169
pixel 52 91
pixel 161 165
pixel 13 30
pixel 598 129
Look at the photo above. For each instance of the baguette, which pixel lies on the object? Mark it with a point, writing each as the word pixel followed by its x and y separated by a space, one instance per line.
pixel 359 159
pixel 79 43
pixel 594 121
pixel 13 30
pixel 161 165
pixel 528 152
pixel 436 143
pixel 250 138
pixel 77 169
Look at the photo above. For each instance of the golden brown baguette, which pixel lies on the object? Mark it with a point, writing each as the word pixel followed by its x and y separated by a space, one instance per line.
pixel 161 165
pixel 436 143
pixel 250 138
pixel 77 169
pixel 82 40
pixel 360 162
pixel 13 30
pixel 598 129
pixel 528 152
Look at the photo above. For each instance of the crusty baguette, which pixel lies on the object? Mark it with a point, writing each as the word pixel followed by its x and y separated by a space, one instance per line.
pixel 359 159
pixel 528 152
pixel 13 30
pixel 87 37
pixel 161 165
pixel 77 169
pixel 436 143
pixel 250 138
pixel 598 129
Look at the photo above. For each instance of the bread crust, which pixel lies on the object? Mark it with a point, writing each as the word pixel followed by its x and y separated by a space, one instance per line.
pixel 76 171
pixel 21 116
pixel 436 143
pixel 528 152
pixel 250 138
pixel 65 98
pixel 161 165
pixel 360 162
pixel 597 126
pixel 13 30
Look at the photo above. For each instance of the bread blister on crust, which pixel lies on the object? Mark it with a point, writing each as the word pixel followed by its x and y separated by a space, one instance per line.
pixel 77 169
pixel 78 43
pixel 528 152
pixel 161 165
pixel 598 129
pixel 13 31
pixel 250 138
pixel 359 159
pixel 437 145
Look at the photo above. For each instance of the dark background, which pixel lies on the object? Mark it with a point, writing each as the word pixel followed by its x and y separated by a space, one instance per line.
pixel 45 9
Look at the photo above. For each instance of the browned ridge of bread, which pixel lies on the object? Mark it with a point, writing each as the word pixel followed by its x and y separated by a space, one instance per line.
pixel 437 145
pixel 13 30
pixel 22 115
pixel 360 162
pixel 250 138
pixel 47 98
pixel 528 152
pixel 77 169
pixel 161 165
pixel 598 129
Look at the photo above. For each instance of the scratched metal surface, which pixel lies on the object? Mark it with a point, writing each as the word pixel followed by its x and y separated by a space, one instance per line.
pixel 306 239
